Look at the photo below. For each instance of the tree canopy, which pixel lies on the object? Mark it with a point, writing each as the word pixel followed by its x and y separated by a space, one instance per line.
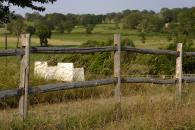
pixel 5 12
pixel 44 32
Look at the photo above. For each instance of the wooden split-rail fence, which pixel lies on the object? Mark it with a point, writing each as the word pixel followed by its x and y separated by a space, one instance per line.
pixel 26 50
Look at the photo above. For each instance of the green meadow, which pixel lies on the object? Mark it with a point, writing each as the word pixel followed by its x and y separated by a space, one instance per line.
pixel 102 32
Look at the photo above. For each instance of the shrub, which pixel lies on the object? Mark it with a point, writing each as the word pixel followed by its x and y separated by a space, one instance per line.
pixel 166 64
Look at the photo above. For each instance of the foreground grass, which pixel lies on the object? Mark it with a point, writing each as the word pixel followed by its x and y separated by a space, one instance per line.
pixel 147 108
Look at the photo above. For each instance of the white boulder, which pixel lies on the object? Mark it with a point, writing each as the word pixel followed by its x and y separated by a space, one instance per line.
pixel 62 72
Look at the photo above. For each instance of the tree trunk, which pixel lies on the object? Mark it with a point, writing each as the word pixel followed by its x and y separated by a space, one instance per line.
pixel 17 41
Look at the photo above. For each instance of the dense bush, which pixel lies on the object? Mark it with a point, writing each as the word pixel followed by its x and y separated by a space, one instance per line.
pixel 101 62
pixel 166 64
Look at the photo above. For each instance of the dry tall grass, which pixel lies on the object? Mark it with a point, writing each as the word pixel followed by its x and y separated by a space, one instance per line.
pixel 147 107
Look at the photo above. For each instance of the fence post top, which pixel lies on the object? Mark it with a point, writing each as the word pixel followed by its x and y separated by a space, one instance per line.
pixel 179 44
pixel 25 39
pixel 117 34
pixel 25 35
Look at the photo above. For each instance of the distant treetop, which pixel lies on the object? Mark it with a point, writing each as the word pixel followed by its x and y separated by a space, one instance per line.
pixel 5 12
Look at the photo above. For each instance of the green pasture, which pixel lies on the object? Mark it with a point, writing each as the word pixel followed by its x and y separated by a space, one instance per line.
pixel 102 32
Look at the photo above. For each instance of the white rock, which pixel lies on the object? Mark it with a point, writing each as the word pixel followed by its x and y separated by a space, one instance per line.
pixel 62 72
pixel 40 68
pixel 50 72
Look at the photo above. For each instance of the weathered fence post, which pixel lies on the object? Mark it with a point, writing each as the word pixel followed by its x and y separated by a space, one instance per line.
pixel 179 72
pixel 117 53
pixel 24 75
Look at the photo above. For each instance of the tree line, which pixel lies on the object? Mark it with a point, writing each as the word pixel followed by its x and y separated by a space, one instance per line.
pixel 178 24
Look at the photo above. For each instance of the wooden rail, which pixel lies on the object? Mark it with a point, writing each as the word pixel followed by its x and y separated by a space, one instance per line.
pixel 188 54
pixel 148 80
pixel 149 51
pixel 11 52
pixel 55 87
pixel 86 84
pixel 65 50
pixel 62 50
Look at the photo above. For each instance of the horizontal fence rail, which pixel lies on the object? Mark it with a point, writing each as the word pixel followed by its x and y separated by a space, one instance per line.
pixel 189 54
pixel 58 50
pixel 62 50
pixel 87 84
pixel 11 52
pixel 148 80
pixel 56 87
pixel 65 50
pixel 149 51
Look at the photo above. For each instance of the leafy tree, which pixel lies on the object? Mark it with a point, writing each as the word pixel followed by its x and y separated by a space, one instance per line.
pixel 142 26
pixel 89 28
pixel 150 23
pixel 155 23
pixel 55 18
pixel 89 22
pixel 17 27
pixel 132 21
pixel 101 18
pixel 126 12
pixel 73 18
pixel 69 26
pixel 168 15
pixel 117 19
pixel 186 24
pixel 43 32
pixel 34 17
pixel 56 21
pixel 5 6
pixel 110 17
pixel 31 30
pixel 184 29
pixel 61 22
pixel 60 27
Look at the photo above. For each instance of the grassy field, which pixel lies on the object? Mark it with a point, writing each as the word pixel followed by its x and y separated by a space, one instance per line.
pixel 143 108
pixel 102 32
pixel 146 106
